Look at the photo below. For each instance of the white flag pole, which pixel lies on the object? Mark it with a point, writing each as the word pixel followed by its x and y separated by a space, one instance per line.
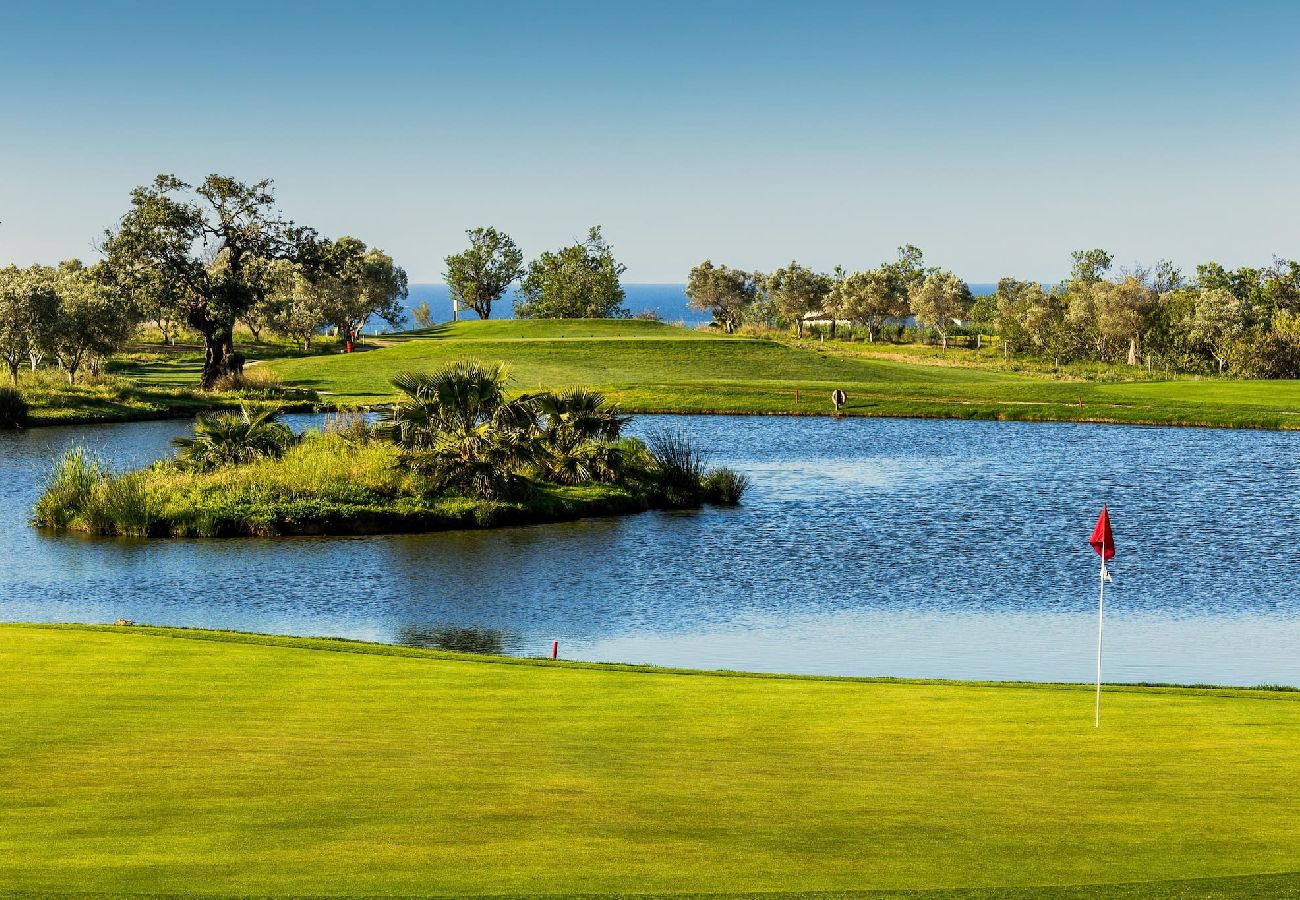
pixel 1101 607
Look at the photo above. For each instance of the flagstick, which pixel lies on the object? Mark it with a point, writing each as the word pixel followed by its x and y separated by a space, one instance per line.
pixel 1101 606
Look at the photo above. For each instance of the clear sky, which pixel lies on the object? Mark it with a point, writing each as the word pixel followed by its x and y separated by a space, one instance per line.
pixel 996 136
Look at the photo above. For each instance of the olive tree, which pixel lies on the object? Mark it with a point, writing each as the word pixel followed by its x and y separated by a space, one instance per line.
pixel 868 298
pixel 796 290
pixel 357 283
pixel 721 291
pixel 28 307
pixel 92 321
pixel 193 249
pixel 1218 319
pixel 939 301
pixel 480 275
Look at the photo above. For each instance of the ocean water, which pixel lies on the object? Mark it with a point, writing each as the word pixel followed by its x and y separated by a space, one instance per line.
pixel 668 300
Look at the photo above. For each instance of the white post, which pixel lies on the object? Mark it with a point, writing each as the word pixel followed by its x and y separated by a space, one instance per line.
pixel 1101 606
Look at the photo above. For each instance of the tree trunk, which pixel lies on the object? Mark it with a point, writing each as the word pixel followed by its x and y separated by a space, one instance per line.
pixel 13 372
pixel 1133 350
pixel 943 336
pixel 218 344
pixel 833 323
pixel 799 325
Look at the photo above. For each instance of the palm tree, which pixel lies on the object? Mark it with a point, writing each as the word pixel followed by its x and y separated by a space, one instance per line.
pixel 458 399
pixel 230 439
pixel 575 443
pixel 457 426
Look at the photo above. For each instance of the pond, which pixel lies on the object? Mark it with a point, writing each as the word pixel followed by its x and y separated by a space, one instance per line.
pixel 919 548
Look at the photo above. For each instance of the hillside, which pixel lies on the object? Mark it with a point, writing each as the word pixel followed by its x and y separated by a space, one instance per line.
pixel 652 367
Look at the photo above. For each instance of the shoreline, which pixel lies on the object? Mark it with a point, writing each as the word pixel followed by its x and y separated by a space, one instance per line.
pixel 377 648
pixel 976 415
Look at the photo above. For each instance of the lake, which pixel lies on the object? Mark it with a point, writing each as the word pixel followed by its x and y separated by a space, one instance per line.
pixel 866 547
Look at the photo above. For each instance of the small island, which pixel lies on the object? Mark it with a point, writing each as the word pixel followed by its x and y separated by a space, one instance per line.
pixel 455 451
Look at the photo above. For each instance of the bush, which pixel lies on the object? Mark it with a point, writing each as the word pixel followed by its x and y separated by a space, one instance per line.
pixel 13 408
pixel 231 439
pixel 725 486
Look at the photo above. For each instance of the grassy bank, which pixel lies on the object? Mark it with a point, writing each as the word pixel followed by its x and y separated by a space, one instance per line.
pixel 649 367
pixel 160 761
pixel 326 484
pixel 155 381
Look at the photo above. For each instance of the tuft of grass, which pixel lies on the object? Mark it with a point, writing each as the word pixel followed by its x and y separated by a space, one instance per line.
pixel 13 408
pixel 725 486
pixel 68 488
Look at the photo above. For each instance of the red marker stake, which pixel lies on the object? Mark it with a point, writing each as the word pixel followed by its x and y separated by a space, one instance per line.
pixel 555 649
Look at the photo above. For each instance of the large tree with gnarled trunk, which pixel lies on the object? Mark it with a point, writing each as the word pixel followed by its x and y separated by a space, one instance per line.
pixel 198 249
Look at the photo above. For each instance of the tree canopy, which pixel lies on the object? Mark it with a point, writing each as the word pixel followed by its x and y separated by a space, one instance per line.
pixel 479 276
pixel 580 281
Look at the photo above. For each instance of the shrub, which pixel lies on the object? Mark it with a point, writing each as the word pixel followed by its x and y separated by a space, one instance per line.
pixel 231 439
pixel 13 408
pixel 725 486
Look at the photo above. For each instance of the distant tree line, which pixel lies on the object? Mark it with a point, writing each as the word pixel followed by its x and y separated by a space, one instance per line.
pixel 1244 322
pixel 198 257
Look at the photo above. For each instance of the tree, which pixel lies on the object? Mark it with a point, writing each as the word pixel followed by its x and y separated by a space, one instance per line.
pixel 869 298
pixel 92 321
pixel 359 283
pixel 1018 312
pixel 28 307
pixel 423 317
pixel 722 291
pixel 796 291
pixel 940 300
pixel 1090 266
pixel 297 303
pixel 479 276
pixel 193 248
pixel 1123 312
pixel 1218 319
pixel 580 281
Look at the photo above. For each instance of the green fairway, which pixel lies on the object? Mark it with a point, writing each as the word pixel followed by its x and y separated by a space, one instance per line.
pixel 650 367
pixel 149 760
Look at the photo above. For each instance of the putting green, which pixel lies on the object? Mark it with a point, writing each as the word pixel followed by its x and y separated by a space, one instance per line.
pixel 154 760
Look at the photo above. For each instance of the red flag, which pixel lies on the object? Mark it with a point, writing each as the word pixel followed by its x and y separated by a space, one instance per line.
pixel 1102 540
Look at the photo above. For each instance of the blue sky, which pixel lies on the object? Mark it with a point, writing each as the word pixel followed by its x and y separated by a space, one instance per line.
pixel 996 136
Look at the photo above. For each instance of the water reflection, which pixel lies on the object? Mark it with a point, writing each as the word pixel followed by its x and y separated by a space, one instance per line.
pixel 492 641
pixel 903 547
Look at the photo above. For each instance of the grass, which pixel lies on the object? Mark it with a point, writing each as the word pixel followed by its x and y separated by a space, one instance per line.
pixel 651 367
pixel 173 761
pixel 155 381
pixel 326 484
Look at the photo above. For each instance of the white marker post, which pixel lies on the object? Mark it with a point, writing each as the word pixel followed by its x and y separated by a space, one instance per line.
pixel 1101 609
